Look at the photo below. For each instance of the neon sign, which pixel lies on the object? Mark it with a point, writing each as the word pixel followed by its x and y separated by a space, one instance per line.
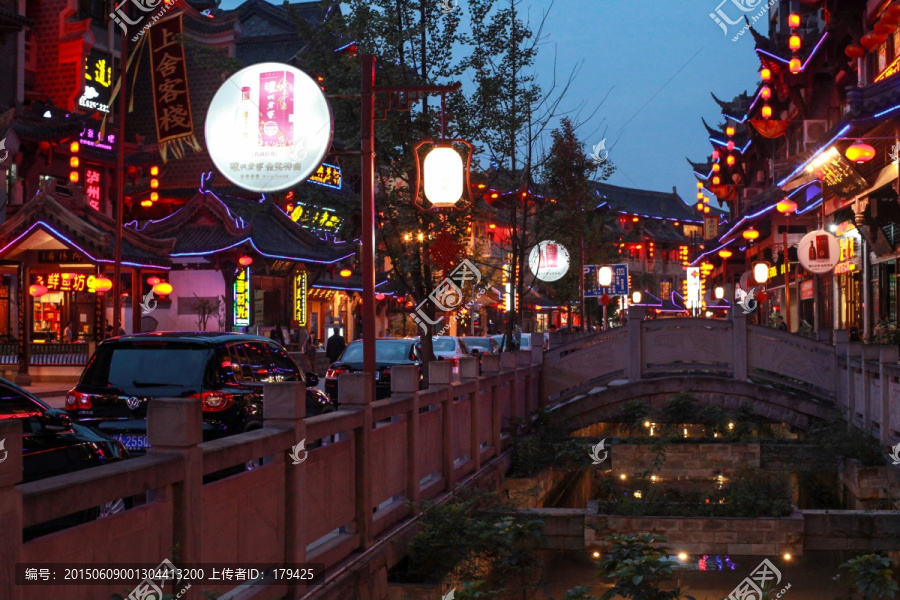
pixel 300 291
pixel 242 298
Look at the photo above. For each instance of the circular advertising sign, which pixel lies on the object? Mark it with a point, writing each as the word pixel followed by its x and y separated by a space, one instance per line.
pixel 549 261
pixel 819 251
pixel 268 127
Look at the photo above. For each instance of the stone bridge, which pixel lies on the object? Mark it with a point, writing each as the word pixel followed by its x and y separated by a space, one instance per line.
pixel 346 508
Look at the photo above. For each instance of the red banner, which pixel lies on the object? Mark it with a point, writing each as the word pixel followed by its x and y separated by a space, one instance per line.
pixel 171 101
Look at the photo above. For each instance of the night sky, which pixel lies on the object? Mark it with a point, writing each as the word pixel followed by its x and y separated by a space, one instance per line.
pixel 655 63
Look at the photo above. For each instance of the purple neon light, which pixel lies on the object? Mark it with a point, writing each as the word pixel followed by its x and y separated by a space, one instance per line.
pixel 79 248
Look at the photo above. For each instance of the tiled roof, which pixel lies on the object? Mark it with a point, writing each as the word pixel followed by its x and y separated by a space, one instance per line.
pixel 209 223
pixel 84 229
pixel 643 202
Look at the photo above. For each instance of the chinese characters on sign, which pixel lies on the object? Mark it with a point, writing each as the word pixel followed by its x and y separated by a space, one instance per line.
pixel 62 282
pixel 315 217
pixel 92 187
pixel 242 298
pixel 327 175
pixel 97 81
pixel 171 101
pixel 300 289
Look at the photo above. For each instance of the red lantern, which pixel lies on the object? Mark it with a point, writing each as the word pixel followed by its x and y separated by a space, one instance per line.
pixel 883 28
pixel 855 51
pixel 245 261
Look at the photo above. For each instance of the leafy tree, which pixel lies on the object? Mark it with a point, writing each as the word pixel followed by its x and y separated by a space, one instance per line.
pixel 633 414
pixel 872 577
pixel 640 565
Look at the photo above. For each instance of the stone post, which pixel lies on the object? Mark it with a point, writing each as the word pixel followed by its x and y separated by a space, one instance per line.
pixel 739 342
pixel 490 367
pixel 10 506
pixel 842 361
pixel 355 393
pixel 635 358
pixel 440 376
pixel 285 408
pixel 175 426
pixel 888 356
pixel 468 372
pixel 405 380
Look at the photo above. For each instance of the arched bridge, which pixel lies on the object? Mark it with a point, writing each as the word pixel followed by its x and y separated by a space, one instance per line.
pixel 785 377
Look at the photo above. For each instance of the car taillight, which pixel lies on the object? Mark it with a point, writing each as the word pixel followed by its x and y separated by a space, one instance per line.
pixel 78 401
pixel 214 401
pixel 333 373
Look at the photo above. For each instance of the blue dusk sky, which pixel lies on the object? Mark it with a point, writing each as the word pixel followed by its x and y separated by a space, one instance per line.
pixel 652 64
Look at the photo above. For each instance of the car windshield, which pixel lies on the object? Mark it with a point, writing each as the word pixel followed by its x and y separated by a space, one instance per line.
pixel 163 365
pixel 474 342
pixel 444 345
pixel 384 351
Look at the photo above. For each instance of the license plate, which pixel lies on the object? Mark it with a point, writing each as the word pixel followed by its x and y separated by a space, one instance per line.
pixel 133 442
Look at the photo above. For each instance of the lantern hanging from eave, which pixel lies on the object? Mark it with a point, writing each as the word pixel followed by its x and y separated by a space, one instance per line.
pixel 855 51
pixel 860 152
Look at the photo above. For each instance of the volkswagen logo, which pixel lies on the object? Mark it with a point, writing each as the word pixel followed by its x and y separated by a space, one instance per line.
pixel 133 402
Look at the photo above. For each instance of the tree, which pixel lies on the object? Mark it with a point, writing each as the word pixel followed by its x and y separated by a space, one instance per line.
pixel 640 565
pixel 872 576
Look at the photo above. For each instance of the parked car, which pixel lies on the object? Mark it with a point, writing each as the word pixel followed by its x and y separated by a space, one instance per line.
pixel 51 443
pixel 448 347
pixel 482 345
pixel 225 372
pixel 389 352
pixel 525 344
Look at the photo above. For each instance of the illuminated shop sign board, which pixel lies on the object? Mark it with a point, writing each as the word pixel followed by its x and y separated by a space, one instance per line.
pixel 300 293
pixel 242 298
pixel 315 217
pixel 327 175
pixel 97 82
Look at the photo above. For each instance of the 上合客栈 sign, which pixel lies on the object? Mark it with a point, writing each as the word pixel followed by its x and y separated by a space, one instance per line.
pixel 268 127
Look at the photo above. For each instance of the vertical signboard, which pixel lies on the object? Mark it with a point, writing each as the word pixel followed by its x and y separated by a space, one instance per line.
pixel 300 291
pixel 242 298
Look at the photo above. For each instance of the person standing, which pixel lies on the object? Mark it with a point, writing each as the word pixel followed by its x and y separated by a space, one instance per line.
pixel 335 346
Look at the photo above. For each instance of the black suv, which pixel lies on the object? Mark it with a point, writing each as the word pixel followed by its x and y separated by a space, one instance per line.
pixel 389 352
pixel 51 443
pixel 224 371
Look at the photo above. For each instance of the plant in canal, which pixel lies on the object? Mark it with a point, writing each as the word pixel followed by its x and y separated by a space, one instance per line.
pixel 872 577
pixel 639 565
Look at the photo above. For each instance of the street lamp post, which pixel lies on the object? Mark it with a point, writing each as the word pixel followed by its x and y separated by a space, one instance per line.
pixel 367 128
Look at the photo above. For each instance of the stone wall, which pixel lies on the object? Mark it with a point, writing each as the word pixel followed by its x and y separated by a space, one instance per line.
pixel 701 461
pixel 701 535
